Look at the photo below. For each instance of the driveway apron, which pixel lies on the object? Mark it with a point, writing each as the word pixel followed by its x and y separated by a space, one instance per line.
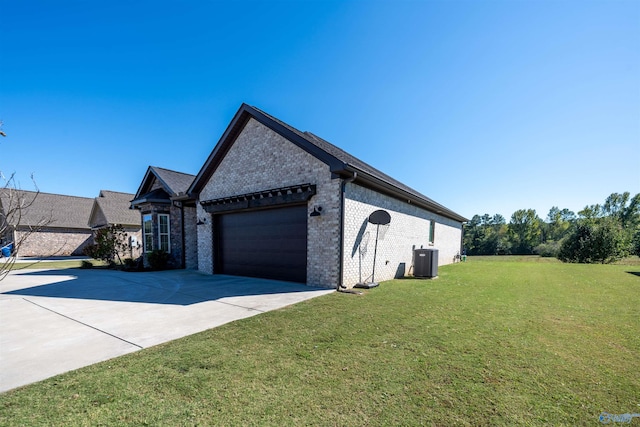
pixel 54 321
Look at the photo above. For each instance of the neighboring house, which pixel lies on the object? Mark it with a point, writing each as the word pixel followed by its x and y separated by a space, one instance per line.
pixel 113 208
pixel 168 215
pixel 48 224
pixel 274 202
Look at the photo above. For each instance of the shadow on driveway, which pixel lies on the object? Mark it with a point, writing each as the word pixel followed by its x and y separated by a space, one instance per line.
pixel 179 287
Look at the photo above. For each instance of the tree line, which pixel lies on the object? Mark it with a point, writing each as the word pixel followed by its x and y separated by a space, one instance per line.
pixel 596 234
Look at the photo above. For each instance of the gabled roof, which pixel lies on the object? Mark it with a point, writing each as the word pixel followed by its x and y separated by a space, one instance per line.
pixel 174 185
pixel 44 209
pixel 112 207
pixel 339 161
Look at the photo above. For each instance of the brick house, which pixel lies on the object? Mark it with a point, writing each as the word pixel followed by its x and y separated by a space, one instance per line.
pixel 274 202
pixel 113 208
pixel 168 215
pixel 47 224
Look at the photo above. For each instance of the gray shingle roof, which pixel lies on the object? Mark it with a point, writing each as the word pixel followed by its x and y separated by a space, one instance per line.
pixel 55 210
pixel 177 182
pixel 115 208
pixel 173 184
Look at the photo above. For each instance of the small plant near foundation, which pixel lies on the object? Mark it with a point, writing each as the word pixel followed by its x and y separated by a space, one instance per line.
pixel 158 260
pixel 131 264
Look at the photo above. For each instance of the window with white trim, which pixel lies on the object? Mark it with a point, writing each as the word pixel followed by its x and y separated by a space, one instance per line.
pixel 164 233
pixel 147 231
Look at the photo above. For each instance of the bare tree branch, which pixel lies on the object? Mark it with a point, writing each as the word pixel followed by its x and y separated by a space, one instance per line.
pixel 14 228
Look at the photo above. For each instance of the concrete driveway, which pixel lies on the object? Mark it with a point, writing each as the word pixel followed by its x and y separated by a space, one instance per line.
pixel 53 321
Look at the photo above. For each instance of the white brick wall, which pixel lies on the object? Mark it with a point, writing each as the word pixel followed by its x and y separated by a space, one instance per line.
pixel 408 230
pixel 261 159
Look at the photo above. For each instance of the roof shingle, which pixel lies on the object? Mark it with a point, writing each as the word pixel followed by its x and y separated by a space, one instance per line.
pixel 115 207
pixel 54 210
pixel 177 182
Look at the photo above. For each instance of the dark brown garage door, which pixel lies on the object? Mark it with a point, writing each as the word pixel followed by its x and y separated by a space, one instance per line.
pixel 270 243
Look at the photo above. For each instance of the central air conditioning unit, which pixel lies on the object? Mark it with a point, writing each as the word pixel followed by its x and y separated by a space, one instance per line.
pixel 425 263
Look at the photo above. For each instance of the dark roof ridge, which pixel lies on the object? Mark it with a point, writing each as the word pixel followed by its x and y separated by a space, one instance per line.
pixel 339 161
pixel 171 170
pixel 114 191
pixel 350 160
pixel 44 192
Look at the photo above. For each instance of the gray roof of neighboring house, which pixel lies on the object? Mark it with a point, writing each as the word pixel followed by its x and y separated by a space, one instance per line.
pixel 340 162
pixel 44 209
pixel 115 207
pixel 174 184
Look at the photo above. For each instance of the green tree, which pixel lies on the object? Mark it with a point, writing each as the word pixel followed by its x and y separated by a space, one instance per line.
pixel 595 241
pixel 604 233
pixel 486 235
pixel 636 243
pixel 110 242
pixel 591 213
pixel 558 223
pixel 524 231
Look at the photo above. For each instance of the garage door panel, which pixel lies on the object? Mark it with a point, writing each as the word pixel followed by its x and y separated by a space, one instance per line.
pixel 267 243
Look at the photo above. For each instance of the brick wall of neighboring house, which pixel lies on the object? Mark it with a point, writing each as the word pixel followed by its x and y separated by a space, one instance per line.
pixel 133 252
pixel 261 159
pixel 408 230
pixel 53 242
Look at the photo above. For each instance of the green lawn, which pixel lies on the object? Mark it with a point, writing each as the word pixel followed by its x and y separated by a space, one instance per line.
pixel 63 264
pixel 493 341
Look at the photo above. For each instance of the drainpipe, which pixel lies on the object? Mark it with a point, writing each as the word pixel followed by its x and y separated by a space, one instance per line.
pixel 344 184
pixel 182 236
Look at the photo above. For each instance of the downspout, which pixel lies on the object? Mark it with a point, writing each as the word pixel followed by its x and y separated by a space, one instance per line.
pixel 344 184
pixel 182 236
pixel 462 227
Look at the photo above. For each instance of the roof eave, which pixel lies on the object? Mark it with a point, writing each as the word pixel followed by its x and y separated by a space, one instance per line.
pixel 135 203
pixel 384 187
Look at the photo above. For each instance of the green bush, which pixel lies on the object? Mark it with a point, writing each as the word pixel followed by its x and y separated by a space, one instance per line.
pixel 158 259
pixel 547 250
pixel 110 242
pixel 131 264
pixel 595 241
pixel 86 264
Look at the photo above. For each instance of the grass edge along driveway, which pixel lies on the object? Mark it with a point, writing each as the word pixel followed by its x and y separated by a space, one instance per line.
pixel 490 342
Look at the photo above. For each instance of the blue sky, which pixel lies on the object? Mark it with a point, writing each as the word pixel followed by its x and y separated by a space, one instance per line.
pixel 483 106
